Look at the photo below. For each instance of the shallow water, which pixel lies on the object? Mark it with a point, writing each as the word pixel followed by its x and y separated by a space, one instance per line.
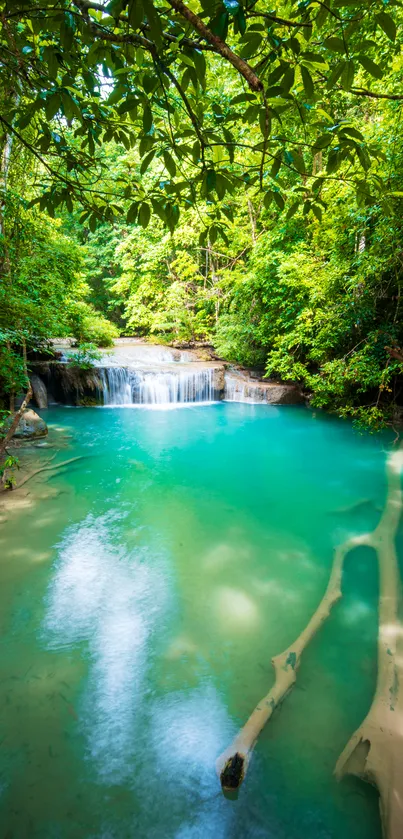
pixel 143 591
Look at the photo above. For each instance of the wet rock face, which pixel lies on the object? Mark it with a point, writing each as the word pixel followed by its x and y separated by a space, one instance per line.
pixel 68 384
pixel 31 426
pixel 219 382
pixel 241 388
pixel 39 391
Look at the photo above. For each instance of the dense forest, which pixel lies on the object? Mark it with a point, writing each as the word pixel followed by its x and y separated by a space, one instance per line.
pixel 220 172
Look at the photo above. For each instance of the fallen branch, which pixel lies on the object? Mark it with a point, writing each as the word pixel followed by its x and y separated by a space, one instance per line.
pixel 47 468
pixel 233 762
pixel 375 751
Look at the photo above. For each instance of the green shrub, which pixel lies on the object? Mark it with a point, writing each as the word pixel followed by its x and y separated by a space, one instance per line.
pixel 89 326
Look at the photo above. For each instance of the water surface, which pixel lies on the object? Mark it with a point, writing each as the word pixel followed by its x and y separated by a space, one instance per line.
pixel 144 590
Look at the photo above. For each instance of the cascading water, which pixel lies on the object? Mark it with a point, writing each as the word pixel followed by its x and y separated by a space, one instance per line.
pixel 158 388
pixel 126 386
pixel 116 385
pixel 237 390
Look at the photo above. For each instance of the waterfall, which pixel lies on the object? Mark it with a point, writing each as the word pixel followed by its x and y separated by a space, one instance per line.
pixel 127 386
pixel 116 385
pixel 238 390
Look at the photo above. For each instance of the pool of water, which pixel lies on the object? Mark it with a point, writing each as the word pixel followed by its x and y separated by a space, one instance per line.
pixel 143 591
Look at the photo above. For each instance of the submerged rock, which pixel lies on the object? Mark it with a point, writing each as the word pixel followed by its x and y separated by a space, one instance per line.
pixel 31 426
pixel 39 391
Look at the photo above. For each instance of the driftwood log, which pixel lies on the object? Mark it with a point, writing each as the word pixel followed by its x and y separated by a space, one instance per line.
pixel 375 751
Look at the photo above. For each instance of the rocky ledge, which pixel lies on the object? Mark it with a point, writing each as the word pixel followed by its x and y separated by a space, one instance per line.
pixel 239 387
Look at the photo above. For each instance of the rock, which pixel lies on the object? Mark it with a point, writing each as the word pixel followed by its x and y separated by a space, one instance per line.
pixel 31 426
pixel 218 381
pixel 39 391
pixel 241 388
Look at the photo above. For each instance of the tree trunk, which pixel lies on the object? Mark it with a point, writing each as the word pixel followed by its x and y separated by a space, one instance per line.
pixel 10 433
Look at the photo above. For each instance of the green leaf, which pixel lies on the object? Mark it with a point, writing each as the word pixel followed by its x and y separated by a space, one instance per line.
pixel 196 152
pixel 200 66
pixel 323 141
pixel 352 132
pixel 147 118
pixel 132 212
pixel 279 200
pixel 244 97
pixel 53 105
pixel 317 211
pixel 268 198
pixel 219 25
pixel 252 46
pixel 210 180
pixel 292 210
pixel 314 58
pixel 321 16
pixel 298 161
pixel 276 166
pixel 169 163
pixel 154 22
pixel 146 161
pixel 221 186
pixel 347 76
pixel 335 75
pixel 307 82
pixel 364 158
pixel 136 13
pixel 387 23
pixel 333 161
pixel 288 80
pixel 93 222
pixel 25 119
pixel 295 45
pixel 276 74
pixel 335 44
pixel 67 32
pixel 144 214
pixel 370 66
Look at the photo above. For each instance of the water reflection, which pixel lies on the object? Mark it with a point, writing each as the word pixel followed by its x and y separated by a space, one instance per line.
pixel 109 600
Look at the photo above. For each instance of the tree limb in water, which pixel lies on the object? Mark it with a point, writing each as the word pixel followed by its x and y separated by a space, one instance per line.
pixel 233 762
pixel 375 751
pixel 47 468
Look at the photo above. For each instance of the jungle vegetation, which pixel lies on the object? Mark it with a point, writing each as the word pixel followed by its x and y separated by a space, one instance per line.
pixel 222 171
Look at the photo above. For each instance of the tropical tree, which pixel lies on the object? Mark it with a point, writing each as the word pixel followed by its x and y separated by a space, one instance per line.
pixel 198 89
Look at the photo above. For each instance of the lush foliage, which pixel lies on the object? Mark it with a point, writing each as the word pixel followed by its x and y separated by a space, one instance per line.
pixel 218 172
pixel 210 96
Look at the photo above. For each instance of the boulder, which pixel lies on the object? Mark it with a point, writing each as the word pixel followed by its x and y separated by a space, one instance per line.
pixel 39 391
pixel 31 426
pixel 218 381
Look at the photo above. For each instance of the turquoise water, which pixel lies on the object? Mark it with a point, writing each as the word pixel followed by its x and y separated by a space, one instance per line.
pixel 143 592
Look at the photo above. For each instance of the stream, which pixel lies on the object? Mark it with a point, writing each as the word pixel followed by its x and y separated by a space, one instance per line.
pixel 143 591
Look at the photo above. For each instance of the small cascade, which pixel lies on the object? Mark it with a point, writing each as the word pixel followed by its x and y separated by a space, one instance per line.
pixel 161 388
pixel 116 385
pixel 127 386
pixel 238 390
